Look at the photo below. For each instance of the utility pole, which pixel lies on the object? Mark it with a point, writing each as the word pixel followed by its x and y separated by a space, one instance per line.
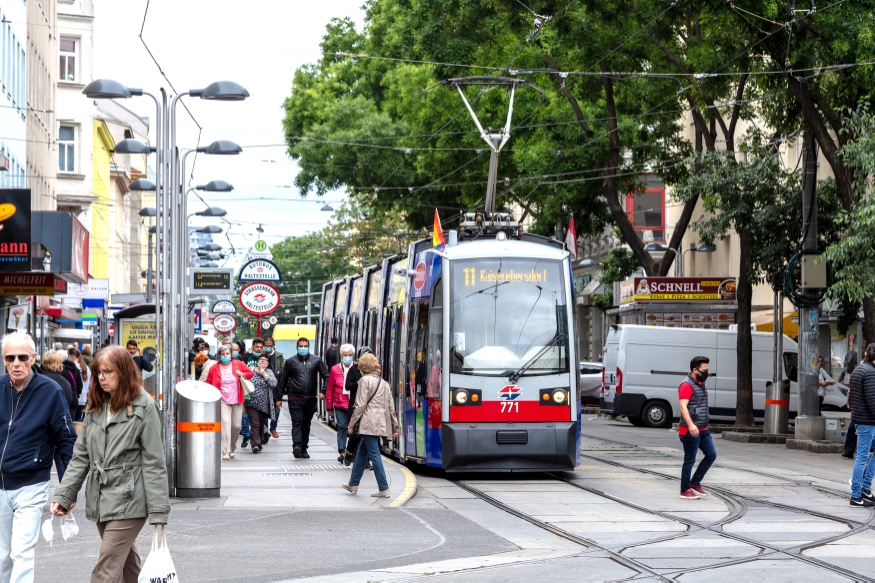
pixel 809 424
pixel 149 271
pixel 308 302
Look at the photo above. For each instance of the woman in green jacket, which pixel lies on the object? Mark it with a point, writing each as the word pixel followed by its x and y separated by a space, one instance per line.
pixel 121 452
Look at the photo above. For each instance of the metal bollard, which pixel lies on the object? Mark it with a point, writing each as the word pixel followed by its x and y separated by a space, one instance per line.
pixel 777 407
pixel 199 440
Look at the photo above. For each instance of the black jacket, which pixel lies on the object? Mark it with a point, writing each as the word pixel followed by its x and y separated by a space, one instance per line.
pixel 70 367
pixel 143 364
pixel 862 394
pixel 332 356
pixel 353 376
pixel 39 430
pixel 299 377
pixel 69 395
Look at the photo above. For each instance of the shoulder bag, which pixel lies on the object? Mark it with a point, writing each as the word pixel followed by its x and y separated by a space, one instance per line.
pixel 358 423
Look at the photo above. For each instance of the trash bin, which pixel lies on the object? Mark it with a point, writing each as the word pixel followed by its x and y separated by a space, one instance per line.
pixel 777 407
pixel 198 440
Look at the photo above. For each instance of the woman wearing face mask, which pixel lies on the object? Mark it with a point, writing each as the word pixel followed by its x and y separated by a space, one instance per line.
pixel 226 378
pixel 337 396
pixel 206 363
pixel 260 405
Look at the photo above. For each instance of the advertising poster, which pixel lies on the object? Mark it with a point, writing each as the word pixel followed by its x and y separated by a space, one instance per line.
pixel 17 317
pixel 15 229
pixel 143 331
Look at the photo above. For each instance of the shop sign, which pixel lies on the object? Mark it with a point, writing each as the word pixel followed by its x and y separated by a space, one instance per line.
pixel 260 270
pixel 223 307
pixel 36 283
pixel 80 250
pixel 674 289
pixel 15 229
pixel 259 299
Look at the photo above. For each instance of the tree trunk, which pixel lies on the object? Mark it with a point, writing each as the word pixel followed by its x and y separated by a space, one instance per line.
pixel 744 347
pixel 869 323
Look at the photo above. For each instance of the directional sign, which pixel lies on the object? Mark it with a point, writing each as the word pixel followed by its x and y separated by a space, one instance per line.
pixel 224 323
pixel 260 270
pixel 223 307
pixel 260 245
pixel 259 299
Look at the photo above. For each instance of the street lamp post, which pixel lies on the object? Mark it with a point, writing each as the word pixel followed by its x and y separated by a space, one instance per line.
pixel 703 248
pixel 149 211
pixel 656 247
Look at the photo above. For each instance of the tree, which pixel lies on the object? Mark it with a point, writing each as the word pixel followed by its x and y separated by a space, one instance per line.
pixel 618 266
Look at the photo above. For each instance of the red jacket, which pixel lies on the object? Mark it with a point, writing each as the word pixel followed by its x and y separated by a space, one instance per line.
pixel 214 376
pixel 334 396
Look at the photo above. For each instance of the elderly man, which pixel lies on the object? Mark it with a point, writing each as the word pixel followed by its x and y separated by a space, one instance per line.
pixel 40 431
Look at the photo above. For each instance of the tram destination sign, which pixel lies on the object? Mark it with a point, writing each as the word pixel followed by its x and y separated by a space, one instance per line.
pixel 214 281
pixel 259 299
pixel 260 270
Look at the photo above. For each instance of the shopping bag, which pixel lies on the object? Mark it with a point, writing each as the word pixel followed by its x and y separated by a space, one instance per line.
pixel 248 387
pixel 69 528
pixel 158 567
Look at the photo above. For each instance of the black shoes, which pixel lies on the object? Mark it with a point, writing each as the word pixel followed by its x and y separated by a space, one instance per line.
pixel 305 455
pixel 862 502
pixel 256 449
pixel 296 451
pixel 265 437
pixel 340 458
pixel 868 496
pixel 347 459
pixel 245 442
pixel 849 456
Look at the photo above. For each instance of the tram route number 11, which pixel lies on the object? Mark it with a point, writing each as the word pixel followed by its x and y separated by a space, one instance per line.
pixel 510 406
pixel 490 276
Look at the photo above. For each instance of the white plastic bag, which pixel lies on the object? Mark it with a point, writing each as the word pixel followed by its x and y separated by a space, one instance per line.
pixel 48 531
pixel 69 528
pixel 158 567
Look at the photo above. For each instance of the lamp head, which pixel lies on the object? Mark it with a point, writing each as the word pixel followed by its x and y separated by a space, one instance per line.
pixel 109 89
pixel 216 186
pixel 143 184
pixel 221 91
pixel 132 146
pixel 210 229
pixel 703 248
pixel 327 208
pixel 212 211
pixel 148 211
pixel 588 263
pixel 655 247
pixel 221 148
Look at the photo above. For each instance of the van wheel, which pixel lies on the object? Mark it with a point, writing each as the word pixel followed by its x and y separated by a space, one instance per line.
pixel 636 421
pixel 656 414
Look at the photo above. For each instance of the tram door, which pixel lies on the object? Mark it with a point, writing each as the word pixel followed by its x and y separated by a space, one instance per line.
pixel 417 367
pixel 433 396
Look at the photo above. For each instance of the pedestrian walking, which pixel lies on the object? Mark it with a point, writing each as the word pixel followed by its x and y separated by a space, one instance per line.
pixel 226 378
pixel 71 371
pixel 332 355
pixel 260 405
pixel 120 451
pixel 299 382
pixel 337 396
pixel 39 431
pixel 693 429
pixel 374 419
pixel 206 363
pixel 235 352
pixel 861 398
pixel 86 355
pixel 279 362
pixel 352 386
pixel 81 400
pixel 53 368
pixel 824 380
pixel 141 361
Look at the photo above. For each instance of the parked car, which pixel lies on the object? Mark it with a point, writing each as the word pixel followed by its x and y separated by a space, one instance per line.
pixel 644 365
pixel 590 382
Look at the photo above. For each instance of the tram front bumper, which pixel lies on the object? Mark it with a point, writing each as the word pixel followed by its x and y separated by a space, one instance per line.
pixel 509 447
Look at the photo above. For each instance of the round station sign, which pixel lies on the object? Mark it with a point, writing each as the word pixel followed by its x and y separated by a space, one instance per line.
pixel 224 323
pixel 419 276
pixel 223 307
pixel 259 299
pixel 272 320
pixel 260 270
pixel 265 324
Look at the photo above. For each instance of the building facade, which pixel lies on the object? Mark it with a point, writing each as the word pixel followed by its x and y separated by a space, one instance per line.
pixel 13 94
pixel 42 48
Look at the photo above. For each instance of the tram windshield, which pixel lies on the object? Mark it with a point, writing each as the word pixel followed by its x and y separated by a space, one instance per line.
pixel 507 314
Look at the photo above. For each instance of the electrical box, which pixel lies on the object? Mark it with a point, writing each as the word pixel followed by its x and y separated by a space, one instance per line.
pixel 836 424
pixel 813 272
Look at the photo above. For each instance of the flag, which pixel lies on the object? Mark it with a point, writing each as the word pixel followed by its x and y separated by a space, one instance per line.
pixel 438 240
pixel 571 239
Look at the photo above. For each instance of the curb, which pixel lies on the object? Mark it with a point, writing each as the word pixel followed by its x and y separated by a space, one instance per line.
pixel 411 484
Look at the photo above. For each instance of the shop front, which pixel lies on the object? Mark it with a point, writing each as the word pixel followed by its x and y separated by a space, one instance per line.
pixel 707 303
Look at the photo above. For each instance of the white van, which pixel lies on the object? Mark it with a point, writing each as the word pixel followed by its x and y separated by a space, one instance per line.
pixel 644 365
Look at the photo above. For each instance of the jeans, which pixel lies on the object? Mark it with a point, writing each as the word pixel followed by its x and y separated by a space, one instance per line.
pixel 864 467
pixel 302 411
pixel 341 416
pixel 370 449
pixel 691 444
pixel 244 428
pixel 21 512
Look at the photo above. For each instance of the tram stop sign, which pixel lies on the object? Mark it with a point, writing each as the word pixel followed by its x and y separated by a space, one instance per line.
pixel 419 276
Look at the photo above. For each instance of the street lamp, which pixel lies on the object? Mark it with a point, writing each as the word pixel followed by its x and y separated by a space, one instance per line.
pixel 210 229
pixel 327 208
pixel 703 248
pixel 132 146
pixel 144 184
pixel 656 247
pixel 212 211
pixel 588 263
pixel 216 186
pixel 259 229
pixel 149 211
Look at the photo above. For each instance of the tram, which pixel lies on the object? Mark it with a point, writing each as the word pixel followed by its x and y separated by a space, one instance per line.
pixel 477 342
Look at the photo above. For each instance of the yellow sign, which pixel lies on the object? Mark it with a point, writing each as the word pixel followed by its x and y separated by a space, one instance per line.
pixel 474 276
pixel 260 245
pixel 142 331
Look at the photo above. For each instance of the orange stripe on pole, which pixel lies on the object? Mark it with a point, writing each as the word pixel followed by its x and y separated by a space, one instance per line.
pixel 777 402
pixel 189 427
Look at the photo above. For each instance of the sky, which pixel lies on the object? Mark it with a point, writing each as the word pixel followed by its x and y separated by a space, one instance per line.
pixel 257 44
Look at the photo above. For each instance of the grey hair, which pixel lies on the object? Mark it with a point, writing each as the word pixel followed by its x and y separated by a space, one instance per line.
pixel 18 335
pixel 347 348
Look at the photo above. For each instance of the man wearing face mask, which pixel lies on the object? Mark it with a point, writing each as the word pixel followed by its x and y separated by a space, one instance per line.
pixel 693 429
pixel 299 382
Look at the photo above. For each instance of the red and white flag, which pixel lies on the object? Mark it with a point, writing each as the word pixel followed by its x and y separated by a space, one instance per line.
pixel 571 239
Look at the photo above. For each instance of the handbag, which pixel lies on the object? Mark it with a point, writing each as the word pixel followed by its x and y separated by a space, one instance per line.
pixel 158 566
pixel 355 428
pixel 248 387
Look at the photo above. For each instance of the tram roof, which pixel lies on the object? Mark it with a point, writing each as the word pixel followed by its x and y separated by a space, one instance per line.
pixel 506 248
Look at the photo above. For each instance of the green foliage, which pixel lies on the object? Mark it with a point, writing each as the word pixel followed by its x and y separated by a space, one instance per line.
pixel 618 266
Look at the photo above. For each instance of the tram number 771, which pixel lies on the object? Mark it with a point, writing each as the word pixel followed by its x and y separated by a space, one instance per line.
pixel 510 407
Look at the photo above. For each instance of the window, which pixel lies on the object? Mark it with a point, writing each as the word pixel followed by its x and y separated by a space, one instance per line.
pixel 67 149
pixel 646 211
pixel 68 59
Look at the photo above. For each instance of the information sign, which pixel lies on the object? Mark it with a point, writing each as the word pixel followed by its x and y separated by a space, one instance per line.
pixel 259 299
pixel 260 270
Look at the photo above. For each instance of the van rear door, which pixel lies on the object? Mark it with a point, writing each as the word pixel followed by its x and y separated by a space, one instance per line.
pixel 609 359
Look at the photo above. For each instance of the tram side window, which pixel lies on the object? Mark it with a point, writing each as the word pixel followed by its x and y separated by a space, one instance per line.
pixel 435 335
pixel 418 340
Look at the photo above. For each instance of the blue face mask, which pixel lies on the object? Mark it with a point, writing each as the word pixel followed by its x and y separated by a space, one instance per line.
pixel 224 359
pixel 256 354
pixel 347 360
pixel 303 351
pixel 235 354
pixel 268 349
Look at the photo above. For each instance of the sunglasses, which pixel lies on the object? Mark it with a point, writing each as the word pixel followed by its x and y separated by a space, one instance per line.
pixel 10 358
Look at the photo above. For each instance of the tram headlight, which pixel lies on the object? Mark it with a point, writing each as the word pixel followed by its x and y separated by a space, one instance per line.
pixel 559 396
pixel 461 397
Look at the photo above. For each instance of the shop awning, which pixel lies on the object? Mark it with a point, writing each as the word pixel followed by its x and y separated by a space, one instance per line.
pixel 764 322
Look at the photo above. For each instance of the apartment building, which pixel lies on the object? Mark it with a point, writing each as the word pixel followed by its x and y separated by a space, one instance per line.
pixel 13 94
pixel 41 59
